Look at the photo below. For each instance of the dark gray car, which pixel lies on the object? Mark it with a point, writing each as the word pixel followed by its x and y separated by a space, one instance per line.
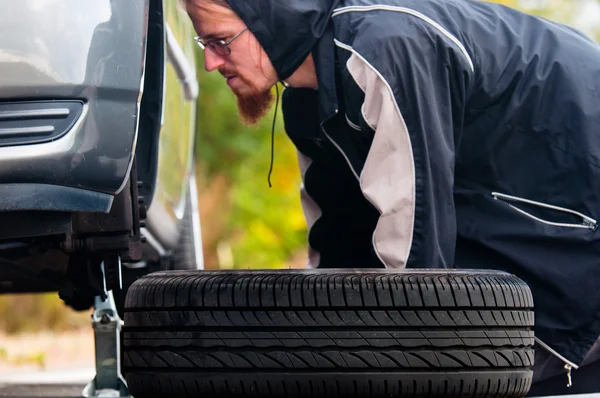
pixel 97 123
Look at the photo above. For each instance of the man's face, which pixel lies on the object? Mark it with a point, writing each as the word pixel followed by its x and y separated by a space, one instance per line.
pixel 248 69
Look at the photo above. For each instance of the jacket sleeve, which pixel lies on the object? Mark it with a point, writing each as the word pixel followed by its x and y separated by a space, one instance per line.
pixel 414 79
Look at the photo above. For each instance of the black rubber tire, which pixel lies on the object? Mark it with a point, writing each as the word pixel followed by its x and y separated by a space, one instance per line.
pixel 329 333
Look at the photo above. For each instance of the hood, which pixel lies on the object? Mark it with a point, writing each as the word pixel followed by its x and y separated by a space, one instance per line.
pixel 288 30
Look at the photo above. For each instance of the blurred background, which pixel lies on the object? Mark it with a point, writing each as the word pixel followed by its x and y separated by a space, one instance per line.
pixel 245 224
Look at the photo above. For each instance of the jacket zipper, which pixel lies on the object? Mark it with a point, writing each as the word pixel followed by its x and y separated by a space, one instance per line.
pixel 586 222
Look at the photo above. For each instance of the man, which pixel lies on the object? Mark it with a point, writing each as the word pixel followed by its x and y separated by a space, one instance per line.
pixel 436 133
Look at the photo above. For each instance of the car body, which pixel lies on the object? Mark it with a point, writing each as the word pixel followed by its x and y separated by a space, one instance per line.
pixel 97 127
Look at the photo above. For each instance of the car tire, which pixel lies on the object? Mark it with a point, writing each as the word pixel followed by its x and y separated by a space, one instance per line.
pixel 329 333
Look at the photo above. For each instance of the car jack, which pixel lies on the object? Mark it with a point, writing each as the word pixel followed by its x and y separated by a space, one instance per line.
pixel 107 330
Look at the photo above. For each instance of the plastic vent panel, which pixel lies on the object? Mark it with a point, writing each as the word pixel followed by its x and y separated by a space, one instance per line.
pixel 35 122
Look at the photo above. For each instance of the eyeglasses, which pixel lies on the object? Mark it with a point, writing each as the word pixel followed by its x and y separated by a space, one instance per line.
pixel 218 46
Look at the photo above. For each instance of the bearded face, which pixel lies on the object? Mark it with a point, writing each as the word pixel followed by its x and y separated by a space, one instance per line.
pixel 247 68
pixel 253 104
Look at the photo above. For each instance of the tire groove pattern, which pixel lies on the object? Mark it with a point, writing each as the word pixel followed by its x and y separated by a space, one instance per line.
pixel 425 359
pixel 311 334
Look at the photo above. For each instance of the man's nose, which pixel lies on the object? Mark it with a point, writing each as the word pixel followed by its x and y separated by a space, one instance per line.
pixel 212 61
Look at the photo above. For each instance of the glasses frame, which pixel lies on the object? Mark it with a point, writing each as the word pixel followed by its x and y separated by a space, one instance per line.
pixel 218 46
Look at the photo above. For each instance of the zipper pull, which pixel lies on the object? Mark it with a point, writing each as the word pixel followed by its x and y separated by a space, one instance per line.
pixel 591 225
pixel 568 369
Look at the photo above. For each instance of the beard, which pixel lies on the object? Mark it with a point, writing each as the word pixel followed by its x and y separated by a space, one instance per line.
pixel 253 106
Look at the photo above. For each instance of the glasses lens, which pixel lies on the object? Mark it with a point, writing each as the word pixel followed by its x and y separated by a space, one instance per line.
pixel 218 47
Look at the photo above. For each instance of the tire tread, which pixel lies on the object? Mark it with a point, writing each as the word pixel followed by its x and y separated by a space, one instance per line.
pixel 303 334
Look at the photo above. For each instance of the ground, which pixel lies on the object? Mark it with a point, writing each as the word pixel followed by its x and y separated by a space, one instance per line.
pixel 43 351
pixel 46 364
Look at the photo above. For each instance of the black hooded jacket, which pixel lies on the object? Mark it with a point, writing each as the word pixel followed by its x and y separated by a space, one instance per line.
pixel 448 133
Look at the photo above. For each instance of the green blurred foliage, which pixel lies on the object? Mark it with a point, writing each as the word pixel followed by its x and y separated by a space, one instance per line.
pixel 268 225
pixel 263 226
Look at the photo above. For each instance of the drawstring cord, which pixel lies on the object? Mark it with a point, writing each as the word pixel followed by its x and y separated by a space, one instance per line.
pixel 273 138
